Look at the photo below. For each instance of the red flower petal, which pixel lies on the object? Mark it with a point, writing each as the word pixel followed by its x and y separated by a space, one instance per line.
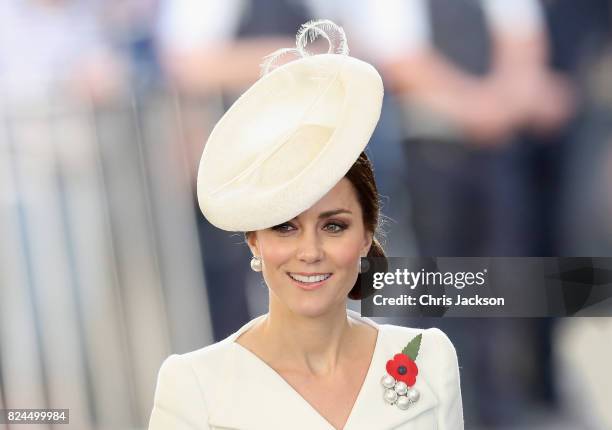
pixel 411 369
pixel 391 368
pixel 410 380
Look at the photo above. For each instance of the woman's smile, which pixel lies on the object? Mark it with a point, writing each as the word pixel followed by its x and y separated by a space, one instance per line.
pixel 309 281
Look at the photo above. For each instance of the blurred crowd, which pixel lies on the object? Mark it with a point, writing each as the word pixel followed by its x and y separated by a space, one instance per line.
pixel 495 140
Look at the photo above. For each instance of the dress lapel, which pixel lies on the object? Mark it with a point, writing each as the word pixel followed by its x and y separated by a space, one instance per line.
pixel 258 398
pixel 370 411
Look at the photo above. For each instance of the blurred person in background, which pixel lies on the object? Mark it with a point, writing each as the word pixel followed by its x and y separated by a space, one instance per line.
pixel 50 46
pixel 470 77
pixel 583 352
pixel 581 38
pixel 210 51
pixel 478 100
pixel 130 25
pixel 581 41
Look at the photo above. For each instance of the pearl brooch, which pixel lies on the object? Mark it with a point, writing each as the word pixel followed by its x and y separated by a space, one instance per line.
pixel 398 382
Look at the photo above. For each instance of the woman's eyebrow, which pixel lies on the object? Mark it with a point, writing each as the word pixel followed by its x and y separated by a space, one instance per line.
pixel 327 214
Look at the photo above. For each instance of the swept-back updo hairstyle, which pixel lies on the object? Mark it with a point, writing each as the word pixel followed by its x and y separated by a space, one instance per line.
pixel 361 176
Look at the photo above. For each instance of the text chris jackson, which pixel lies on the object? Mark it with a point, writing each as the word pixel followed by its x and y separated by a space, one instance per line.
pixel 429 300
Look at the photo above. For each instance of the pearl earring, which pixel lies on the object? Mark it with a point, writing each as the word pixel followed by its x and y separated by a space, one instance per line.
pixel 256 264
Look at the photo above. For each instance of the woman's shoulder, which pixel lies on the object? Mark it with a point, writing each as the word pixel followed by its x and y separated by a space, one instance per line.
pixel 199 365
pixel 205 362
pixel 213 352
pixel 391 337
pixel 432 334
pixel 181 381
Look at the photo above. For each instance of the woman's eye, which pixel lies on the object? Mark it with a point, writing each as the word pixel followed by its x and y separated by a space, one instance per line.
pixel 283 228
pixel 334 227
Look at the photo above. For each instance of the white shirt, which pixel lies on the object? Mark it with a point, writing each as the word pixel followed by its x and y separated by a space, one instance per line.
pixel 402 27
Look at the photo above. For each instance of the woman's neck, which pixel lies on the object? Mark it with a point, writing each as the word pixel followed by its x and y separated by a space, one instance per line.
pixel 314 344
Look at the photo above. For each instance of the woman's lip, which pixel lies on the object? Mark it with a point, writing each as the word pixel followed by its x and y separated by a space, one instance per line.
pixel 311 285
pixel 310 273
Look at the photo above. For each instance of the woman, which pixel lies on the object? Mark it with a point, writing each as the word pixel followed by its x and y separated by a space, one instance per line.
pixel 286 165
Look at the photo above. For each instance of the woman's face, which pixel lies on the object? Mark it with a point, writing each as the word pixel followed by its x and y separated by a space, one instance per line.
pixel 310 263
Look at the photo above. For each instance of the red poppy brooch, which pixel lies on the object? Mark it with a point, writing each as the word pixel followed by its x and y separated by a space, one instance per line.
pixel 401 376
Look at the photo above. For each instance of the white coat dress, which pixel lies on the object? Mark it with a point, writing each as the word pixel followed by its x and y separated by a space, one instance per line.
pixel 225 386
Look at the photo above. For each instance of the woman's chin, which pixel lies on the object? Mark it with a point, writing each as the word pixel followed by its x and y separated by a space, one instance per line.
pixel 313 308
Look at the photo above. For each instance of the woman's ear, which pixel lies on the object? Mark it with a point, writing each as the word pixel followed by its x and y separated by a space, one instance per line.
pixel 251 240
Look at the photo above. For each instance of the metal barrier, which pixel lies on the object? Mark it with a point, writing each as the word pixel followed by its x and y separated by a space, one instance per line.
pixel 100 266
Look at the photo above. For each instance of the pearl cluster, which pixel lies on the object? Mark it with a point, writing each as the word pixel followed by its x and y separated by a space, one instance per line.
pixel 398 393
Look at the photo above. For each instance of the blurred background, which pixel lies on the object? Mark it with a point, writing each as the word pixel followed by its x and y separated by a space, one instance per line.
pixel 495 140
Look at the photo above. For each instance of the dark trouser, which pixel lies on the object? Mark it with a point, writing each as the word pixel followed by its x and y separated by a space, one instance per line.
pixel 470 201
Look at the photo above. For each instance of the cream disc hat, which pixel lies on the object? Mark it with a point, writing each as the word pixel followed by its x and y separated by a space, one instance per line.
pixel 291 136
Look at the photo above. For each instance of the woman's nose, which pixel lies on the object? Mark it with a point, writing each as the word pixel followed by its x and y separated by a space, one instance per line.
pixel 309 247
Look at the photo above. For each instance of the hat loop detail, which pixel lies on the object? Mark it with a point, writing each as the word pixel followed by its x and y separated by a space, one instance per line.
pixel 268 64
pixel 333 33
pixel 308 33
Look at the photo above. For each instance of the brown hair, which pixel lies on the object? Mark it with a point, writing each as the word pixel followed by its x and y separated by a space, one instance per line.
pixel 361 175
